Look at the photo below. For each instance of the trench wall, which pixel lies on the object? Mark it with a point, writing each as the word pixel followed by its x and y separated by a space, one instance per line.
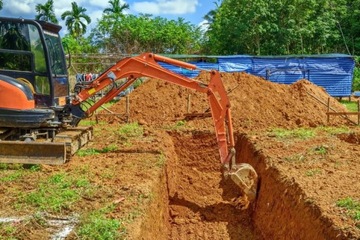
pixel 282 210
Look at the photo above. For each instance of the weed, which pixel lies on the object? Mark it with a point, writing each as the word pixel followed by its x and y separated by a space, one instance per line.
pixel 131 130
pixel 93 151
pixel 334 130
pixel 350 105
pixel 177 126
pixel 7 166
pixel 322 150
pixel 107 174
pixel 299 133
pixel 35 168
pixel 180 123
pixel 295 158
pixel 57 192
pixel 110 148
pixel 352 206
pixel 312 172
pixel 87 152
pixel 8 231
pixel 87 123
pixel 160 161
pixel 11 177
pixel 98 226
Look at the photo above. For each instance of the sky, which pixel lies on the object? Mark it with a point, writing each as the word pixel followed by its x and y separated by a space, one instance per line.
pixel 192 11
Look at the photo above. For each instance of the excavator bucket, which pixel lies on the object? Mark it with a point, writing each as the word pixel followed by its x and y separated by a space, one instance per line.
pixel 55 152
pixel 245 176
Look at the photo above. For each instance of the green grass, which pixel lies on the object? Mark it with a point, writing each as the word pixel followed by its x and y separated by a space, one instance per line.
pixel 131 130
pixel 351 106
pixel 160 161
pixel 12 176
pixel 56 193
pixel 334 130
pixel 312 172
pixel 322 150
pixel 352 207
pixel 87 152
pixel 97 225
pixel 298 133
pixel 93 151
pixel 179 125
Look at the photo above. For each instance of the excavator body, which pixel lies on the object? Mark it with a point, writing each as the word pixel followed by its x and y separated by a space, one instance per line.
pixel 39 118
pixel 34 95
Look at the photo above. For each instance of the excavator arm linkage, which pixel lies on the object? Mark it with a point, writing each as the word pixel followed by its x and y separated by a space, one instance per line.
pixel 120 76
pixel 145 65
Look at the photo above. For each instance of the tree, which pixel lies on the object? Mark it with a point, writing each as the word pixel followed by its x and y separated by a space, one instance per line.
pixel 115 12
pixel 74 20
pixel 1 4
pixel 46 12
pixel 264 27
pixel 144 33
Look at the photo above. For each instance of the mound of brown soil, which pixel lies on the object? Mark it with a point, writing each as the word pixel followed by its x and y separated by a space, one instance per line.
pixel 255 103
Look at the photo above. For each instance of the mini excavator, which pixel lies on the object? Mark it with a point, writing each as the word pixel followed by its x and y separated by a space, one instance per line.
pixel 39 118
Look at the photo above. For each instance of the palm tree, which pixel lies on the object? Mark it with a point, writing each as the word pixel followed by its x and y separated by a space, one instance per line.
pixel 115 12
pixel 46 12
pixel 74 20
pixel 211 15
pixel 1 4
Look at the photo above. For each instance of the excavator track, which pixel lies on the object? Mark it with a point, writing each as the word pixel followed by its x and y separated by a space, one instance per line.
pixel 55 152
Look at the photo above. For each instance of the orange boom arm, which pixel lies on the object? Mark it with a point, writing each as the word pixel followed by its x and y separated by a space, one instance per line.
pixel 127 70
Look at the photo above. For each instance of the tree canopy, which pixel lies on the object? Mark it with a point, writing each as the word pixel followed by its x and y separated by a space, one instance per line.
pixel 269 27
pixel 46 12
pixel 76 20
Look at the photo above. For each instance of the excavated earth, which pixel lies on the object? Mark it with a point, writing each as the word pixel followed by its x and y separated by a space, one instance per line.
pixel 167 183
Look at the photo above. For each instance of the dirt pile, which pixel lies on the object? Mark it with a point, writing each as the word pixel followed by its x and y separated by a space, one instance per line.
pixel 256 103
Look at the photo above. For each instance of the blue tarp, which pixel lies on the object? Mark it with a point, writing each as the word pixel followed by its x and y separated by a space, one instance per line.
pixel 334 72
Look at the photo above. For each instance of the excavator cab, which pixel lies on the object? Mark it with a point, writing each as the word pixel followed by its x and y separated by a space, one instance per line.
pixel 31 51
pixel 34 95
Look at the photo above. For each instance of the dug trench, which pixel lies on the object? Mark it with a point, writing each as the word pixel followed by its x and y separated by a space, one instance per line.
pixel 193 201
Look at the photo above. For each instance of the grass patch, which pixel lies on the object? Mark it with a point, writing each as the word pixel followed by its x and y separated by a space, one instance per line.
pixel 93 151
pixel 7 231
pixel 351 106
pixel 57 192
pixel 179 125
pixel 160 161
pixel 298 133
pixel 295 158
pixel 12 176
pixel 87 152
pixel 334 130
pixel 312 172
pixel 352 207
pixel 322 150
pixel 97 226
pixel 131 130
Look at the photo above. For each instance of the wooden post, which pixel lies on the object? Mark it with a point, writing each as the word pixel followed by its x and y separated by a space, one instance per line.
pixel 188 103
pixel 328 111
pixel 358 103
pixel 127 108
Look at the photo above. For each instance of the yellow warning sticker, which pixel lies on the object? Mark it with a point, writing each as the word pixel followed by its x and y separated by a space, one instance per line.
pixel 91 91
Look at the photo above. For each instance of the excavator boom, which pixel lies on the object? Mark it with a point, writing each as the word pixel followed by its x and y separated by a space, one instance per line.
pixel 128 70
pixel 125 72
